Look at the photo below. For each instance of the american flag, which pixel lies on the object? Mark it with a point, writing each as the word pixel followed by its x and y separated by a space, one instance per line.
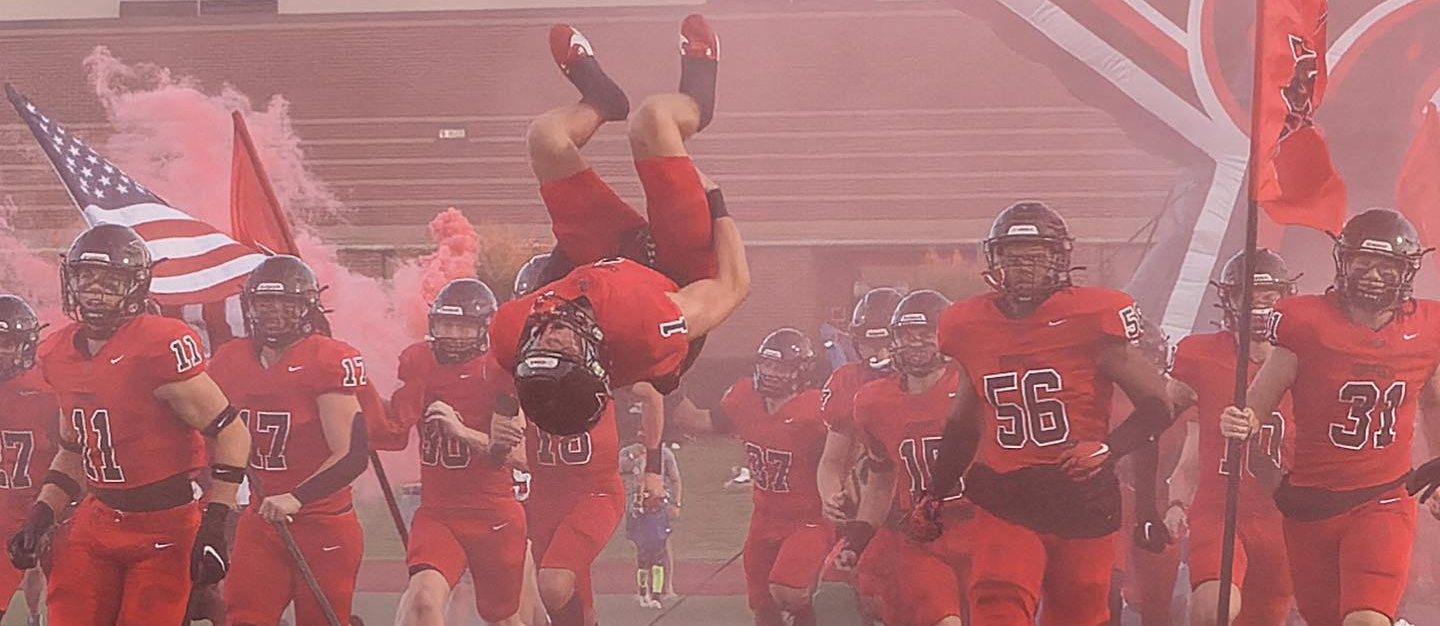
pixel 199 270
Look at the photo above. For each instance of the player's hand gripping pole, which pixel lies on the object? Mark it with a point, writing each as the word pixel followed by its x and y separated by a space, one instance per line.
pixel 304 566
pixel 390 501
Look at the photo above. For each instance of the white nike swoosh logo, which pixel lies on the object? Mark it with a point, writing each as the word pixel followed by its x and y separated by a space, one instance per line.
pixel 295 368
pixel 1056 322
pixel 789 420
pixel 210 552
pixel 1408 337
pixel 1389 500
pixel 499 526
pixel 329 548
pixel 952 394
pixel 464 376
pixel 116 359
pixel 162 546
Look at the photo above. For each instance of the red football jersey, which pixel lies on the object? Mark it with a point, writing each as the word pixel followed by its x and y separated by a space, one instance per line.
pixel 578 464
pixel 452 474
pixel 645 334
pixel 1356 389
pixel 1207 364
pixel 1038 376
pixel 837 397
pixel 131 438
pixel 903 430
pixel 28 423
pixel 783 450
pixel 287 439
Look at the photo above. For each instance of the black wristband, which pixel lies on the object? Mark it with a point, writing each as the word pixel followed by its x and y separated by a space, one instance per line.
pixel 654 459
pixel 716 200
pixel 64 482
pixel 221 420
pixel 215 513
pixel 227 473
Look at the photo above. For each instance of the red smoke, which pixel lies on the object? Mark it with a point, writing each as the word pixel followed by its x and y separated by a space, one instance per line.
pixel 457 250
pixel 32 276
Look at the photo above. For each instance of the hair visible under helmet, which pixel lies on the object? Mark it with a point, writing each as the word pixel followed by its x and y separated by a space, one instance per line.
pixel 870 324
pixel 1382 233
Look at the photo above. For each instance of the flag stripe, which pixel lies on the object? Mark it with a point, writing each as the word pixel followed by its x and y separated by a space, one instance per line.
pixel 136 214
pixel 173 228
pixel 214 295
pixel 205 279
pixel 171 249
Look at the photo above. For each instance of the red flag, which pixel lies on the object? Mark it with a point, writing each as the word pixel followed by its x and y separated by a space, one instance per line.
pixel 256 218
pixel 1417 193
pixel 1292 176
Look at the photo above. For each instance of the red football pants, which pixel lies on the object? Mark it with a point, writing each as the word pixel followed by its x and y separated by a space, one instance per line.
pixel 783 553
pixel 591 221
pixel 263 579
pixel 1358 560
pixel 911 584
pixel 491 544
pixel 568 531
pixel 126 569
pixel 1014 565
pixel 1262 567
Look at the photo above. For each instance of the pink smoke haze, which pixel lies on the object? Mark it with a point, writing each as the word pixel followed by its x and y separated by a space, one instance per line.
pixel 32 276
pixel 456 252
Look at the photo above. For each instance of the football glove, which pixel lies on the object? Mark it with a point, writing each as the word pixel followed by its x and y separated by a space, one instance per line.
pixel 1152 536
pixel 921 523
pixel 1084 459
pixel 209 559
pixel 24 545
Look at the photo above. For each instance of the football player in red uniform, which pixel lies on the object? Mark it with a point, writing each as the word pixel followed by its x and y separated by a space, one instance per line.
pixel 1203 376
pixel 901 420
pixel 776 413
pixel 1040 360
pixel 612 321
pixel 464 406
pixel 297 389
pixel 1357 362
pixel 136 405
pixel 870 336
pixel 28 425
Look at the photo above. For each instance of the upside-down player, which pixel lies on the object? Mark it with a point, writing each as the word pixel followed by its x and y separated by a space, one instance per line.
pixel 28 428
pixel 900 419
pixel 1357 362
pixel 136 405
pixel 776 413
pixel 1204 376
pixel 469 518
pixel 297 389
pixel 613 321
pixel 1040 360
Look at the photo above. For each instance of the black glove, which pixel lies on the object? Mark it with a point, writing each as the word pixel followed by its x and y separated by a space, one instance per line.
pixel 1152 536
pixel 855 535
pixel 1424 480
pixel 24 545
pixel 921 523
pixel 209 560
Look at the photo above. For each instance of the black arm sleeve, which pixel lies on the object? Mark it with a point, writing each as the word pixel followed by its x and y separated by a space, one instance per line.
pixel 957 450
pixel 1150 418
pixel 1145 466
pixel 343 472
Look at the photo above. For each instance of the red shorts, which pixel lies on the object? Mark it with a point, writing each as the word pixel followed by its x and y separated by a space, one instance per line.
pixel 591 221
pixel 910 584
pixel 263 579
pixel 783 553
pixel 1358 560
pixel 491 544
pixel 126 569
pixel 1261 566
pixel 1014 566
pixel 568 531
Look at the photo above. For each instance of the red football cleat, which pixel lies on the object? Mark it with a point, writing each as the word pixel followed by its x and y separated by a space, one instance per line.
pixel 697 38
pixel 568 46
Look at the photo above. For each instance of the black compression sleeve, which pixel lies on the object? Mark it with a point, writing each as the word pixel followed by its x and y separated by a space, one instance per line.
pixel 957 450
pixel 1150 418
pixel 343 472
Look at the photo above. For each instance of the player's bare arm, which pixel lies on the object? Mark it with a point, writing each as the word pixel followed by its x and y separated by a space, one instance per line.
pixel 836 459
pixel 1182 481
pixel 199 402
pixel 1271 382
pixel 344 431
pixel 652 432
pixel 707 302
pixel 1147 390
